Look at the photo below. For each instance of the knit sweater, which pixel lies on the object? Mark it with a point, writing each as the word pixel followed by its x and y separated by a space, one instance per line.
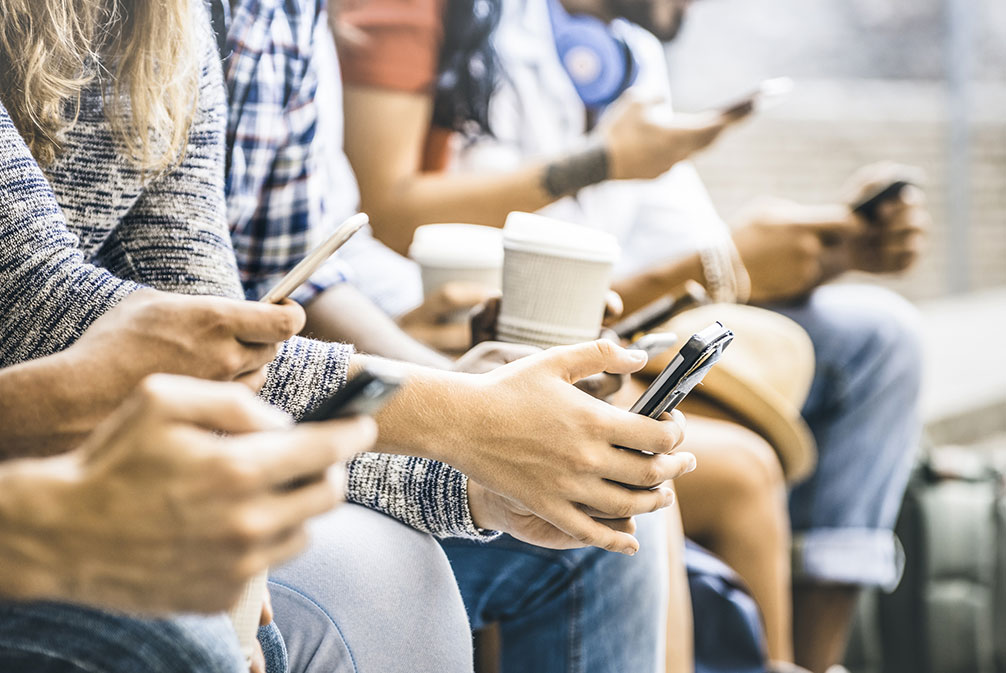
pixel 76 240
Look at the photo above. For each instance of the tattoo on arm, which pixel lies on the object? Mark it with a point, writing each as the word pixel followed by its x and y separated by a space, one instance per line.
pixel 571 174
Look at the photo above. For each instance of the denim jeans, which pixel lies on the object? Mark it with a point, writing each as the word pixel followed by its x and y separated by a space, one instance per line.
pixel 863 411
pixel 370 595
pixel 577 611
pixel 60 638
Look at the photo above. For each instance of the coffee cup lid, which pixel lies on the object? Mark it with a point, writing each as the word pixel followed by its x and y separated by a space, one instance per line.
pixel 460 246
pixel 527 232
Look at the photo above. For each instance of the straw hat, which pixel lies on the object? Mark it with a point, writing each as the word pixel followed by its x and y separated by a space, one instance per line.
pixel 763 377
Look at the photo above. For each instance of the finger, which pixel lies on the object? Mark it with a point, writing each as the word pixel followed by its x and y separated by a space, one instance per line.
pixel 613 307
pixel 276 512
pixel 307 450
pixel 456 296
pixel 284 547
pixel 256 356
pixel 633 431
pixel 632 468
pixel 226 407
pixel 253 381
pixel 577 524
pixel 483 321
pixel 257 664
pixel 592 357
pixel 609 500
pixel 834 220
pixel 257 322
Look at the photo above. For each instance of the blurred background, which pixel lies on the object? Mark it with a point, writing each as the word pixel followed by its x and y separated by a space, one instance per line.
pixel 921 82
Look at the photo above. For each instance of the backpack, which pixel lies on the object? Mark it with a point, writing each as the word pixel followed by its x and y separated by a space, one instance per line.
pixel 729 633
pixel 948 615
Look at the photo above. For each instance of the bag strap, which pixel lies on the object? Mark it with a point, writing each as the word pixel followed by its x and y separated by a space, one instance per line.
pixel 219 16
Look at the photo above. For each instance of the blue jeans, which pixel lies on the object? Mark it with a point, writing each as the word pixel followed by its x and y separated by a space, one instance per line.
pixel 60 638
pixel 370 595
pixel 578 611
pixel 863 411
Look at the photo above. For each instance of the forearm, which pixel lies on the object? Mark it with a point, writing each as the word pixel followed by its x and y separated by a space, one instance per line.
pixel 481 198
pixel 48 405
pixel 648 286
pixel 342 314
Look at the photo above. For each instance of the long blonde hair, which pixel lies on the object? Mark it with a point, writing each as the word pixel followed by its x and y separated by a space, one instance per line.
pixel 143 52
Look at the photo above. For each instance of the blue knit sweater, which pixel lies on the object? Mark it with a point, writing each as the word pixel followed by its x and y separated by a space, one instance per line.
pixel 79 238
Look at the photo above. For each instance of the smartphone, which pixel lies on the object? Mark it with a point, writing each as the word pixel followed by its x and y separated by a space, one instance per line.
pixel 364 394
pixel 768 94
pixel 656 313
pixel 299 274
pixel 867 207
pixel 684 372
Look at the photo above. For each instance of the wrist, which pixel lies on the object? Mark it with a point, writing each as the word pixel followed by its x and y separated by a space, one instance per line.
pixel 570 174
pixel 480 506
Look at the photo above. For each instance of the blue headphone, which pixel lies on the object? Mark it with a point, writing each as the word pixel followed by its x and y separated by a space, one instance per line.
pixel 599 63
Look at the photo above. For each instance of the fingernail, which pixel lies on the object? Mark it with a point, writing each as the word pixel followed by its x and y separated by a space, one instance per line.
pixel 629 551
pixel 679 418
pixel 277 418
pixel 637 355
pixel 692 463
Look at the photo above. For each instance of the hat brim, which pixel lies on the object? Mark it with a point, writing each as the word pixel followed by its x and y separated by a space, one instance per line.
pixel 767 412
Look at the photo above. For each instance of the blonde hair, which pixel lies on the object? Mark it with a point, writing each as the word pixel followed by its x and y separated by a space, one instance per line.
pixel 142 52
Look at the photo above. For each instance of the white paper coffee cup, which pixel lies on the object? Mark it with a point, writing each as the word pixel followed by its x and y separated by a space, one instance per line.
pixel 458 252
pixel 555 278
pixel 247 613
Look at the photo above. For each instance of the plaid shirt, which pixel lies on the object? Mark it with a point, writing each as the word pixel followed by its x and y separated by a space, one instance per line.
pixel 275 187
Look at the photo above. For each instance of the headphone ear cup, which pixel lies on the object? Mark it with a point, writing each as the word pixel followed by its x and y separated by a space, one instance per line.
pixel 599 64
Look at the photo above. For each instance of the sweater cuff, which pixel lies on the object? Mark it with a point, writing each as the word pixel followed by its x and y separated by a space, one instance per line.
pixel 429 496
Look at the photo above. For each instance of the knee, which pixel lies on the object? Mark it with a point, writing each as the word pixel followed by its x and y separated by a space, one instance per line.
pixel 755 471
pixel 365 591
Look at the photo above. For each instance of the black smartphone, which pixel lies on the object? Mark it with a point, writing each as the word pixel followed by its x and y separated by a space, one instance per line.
pixel 364 394
pixel 867 207
pixel 684 372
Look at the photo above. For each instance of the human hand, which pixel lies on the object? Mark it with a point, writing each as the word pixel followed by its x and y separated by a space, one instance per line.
pixel 496 512
pixel 894 240
pixel 641 146
pixel 208 337
pixel 789 249
pixel 436 321
pixel 552 450
pixel 156 513
pixel 482 359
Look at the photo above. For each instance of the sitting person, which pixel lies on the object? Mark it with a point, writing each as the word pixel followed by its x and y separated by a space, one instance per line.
pixel 538 144
pixel 115 211
pixel 86 535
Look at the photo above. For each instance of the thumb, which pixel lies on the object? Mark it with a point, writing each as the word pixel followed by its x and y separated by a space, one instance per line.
pixel 573 363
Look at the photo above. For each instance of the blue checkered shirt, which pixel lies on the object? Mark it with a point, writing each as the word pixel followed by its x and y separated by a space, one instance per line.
pixel 275 197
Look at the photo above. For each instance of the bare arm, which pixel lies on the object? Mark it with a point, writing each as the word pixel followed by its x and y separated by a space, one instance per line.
pixel 647 286
pixel 386 132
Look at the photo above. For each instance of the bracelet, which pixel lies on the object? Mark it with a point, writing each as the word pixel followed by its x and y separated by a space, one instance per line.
pixel 571 174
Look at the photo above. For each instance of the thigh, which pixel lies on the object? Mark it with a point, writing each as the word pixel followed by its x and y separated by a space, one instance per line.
pixel 569 611
pixel 59 638
pixel 370 595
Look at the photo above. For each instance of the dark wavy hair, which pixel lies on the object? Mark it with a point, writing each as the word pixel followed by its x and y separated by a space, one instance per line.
pixel 468 66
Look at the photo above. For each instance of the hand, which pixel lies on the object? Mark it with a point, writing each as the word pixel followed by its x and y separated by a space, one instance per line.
pixel 496 512
pixel 893 242
pixel 488 355
pixel 642 147
pixel 483 325
pixel 551 449
pixel 789 248
pixel 436 321
pixel 156 513
pixel 207 337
